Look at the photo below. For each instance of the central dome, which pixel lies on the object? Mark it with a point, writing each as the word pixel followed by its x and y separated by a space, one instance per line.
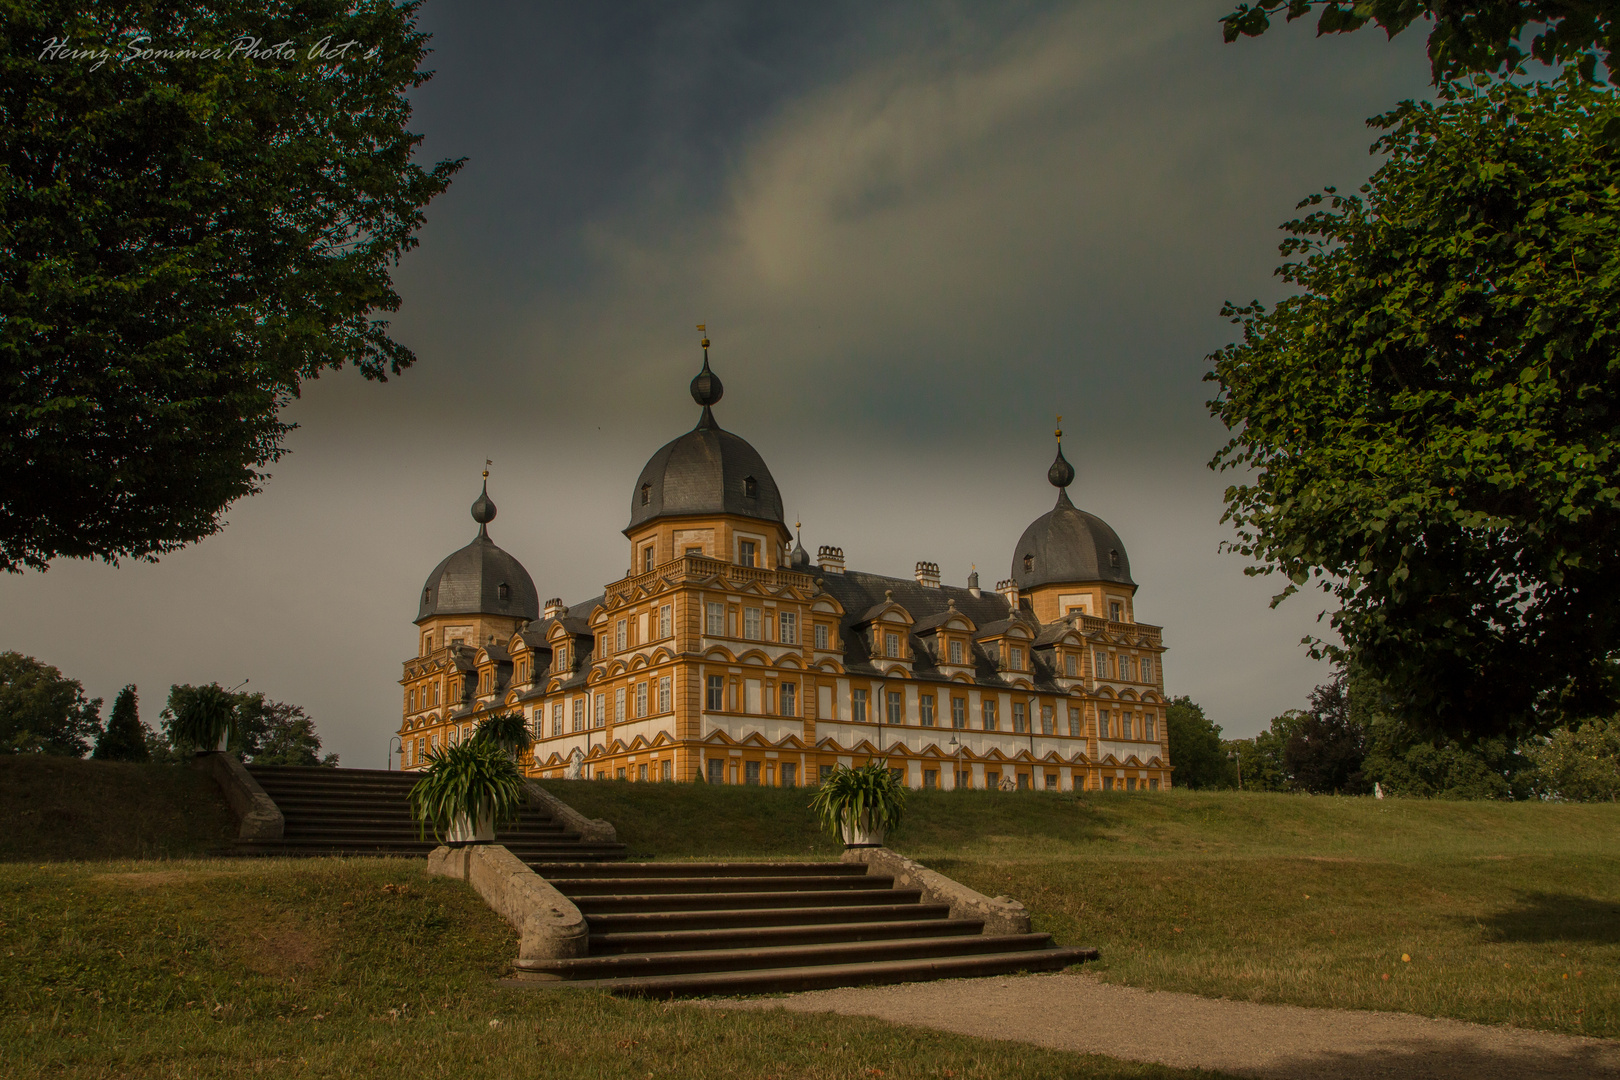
pixel 1066 544
pixel 706 471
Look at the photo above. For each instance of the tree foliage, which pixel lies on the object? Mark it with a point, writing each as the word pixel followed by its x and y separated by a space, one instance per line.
pixel 43 711
pixel 1482 36
pixel 1325 751
pixel 1580 763
pixel 1196 751
pixel 1432 422
pixel 263 731
pixel 125 738
pixel 183 240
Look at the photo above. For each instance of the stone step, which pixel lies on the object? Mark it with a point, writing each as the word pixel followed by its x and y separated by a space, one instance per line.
pixel 820 954
pixel 583 887
pixel 818 977
pixel 559 871
pixel 408 830
pixel 663 921
pixel 591 906
pixel 740 937
pixel 295 845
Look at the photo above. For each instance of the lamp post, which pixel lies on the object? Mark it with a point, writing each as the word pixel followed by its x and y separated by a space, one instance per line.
pixel 392 739
pixel 956 755
pixel 1233 755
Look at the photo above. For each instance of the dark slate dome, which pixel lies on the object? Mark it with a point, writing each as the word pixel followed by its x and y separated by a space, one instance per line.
pixel 1068 544
pixel 706 471
pixel 480 579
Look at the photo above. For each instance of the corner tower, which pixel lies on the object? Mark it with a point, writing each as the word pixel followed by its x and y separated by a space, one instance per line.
pixel 707 493
pixel 475 594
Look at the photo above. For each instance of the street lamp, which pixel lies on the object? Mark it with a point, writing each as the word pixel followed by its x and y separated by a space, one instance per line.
pixel 1233 755
pixel 956 753
pixel 392 739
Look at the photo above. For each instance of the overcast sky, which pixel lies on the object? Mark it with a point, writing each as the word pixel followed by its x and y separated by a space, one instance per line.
pixel 915 231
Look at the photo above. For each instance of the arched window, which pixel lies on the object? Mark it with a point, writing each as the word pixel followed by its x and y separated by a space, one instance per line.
pixel 1113 558
pixel 427 596
pixel 750 488
pixel 1029 563
pixel 504 591
pixel 646 494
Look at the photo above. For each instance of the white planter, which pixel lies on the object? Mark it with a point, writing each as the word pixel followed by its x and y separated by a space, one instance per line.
pixel 463 831
pixel 224 740
pixel 861 833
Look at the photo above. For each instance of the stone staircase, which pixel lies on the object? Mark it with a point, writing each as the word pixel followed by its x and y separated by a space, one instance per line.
pixel 667 929
pixel 367 812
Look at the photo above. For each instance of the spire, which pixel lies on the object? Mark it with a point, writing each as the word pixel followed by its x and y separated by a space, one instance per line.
pixel 706 387
pixel 799 558
pixel 1061 474
pixel 483 507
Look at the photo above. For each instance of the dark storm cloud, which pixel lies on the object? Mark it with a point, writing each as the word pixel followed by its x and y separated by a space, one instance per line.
pixel 916 232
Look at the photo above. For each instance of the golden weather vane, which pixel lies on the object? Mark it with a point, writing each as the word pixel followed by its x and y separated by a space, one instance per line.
pixel 487 464
pixel 1059 431
pixel 703 329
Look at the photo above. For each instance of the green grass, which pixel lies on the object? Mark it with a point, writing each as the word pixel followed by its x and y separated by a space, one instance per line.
pixel 55 808
pixel 364 967
pixel 1276 898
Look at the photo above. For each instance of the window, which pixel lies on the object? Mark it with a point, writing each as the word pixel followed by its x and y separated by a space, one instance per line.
pixel 694 552
pixel 562 658
pixel 751 773
pixel 930 778
pixel 1130 783
pixel 1071 665
pixel 647 562
pixel 641 699
pixel 1108 783
pixel 1113 558
pixel 750 489
pixel 821 635
pixel 992 779
pixel 641 772
pixel 579 714
pixel 601 708
pixel 987 713
pixel 1018 717
pixel 714 623
pixel 1100 663
pixel 1125 668
pixel 826 771
pixel 1023 781
pixel 716 699
pixel 618 705
pixel 897 707
pixel 1048 722
pixel 1153 785
pixel 857 706
pixel 503 591
pixel 897 775
pixel 747 553
pixel 790 774
pixel 1147 669
pixel 1016 656
pixel 1152 731
pixel 557 719
pixel 956 651
pixel 663 694
pixel 410 702
pixel 717 770
pixel 751 623
pixel 646 494
pixel 621 635
pixel 891 644
pixel 666 621
pixel 926 705
pixel 1051 781
pixel 787 628
pixel 1074 720
pixel 435 693
pixel 668 772
pixel 1102 723
pixel 1029 563
pixel 1116 610
pixel 958 712
pixel 788 694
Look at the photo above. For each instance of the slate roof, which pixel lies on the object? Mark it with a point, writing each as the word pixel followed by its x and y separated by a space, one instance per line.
pixel 705 472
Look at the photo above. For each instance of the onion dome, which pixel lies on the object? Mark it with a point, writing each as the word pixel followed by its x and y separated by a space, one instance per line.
pixel 480 579
pixel 1067 544
pixel 798 558
pixel 707 471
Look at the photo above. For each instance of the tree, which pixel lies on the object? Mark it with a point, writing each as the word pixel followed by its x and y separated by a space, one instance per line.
pixel 183 240
pixel 1466 37
pixel 43 711
pixel 1195 746
pixel 276 733
pixel 125 737
pixel 1432 424
pixel 1579 763
pixel 1324 752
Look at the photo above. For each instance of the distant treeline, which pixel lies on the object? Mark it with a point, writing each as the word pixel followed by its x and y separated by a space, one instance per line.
pixel 43 711
pixel 1341 743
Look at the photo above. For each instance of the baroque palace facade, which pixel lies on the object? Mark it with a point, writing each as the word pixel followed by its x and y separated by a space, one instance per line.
pixel 727 656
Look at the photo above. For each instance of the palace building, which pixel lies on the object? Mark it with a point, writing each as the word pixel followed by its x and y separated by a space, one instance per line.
pixel 725 655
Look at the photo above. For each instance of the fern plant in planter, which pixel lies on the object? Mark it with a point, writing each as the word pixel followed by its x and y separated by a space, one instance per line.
pixel 202 717
pixel 508 730
pixel 466 792
pixel 860 805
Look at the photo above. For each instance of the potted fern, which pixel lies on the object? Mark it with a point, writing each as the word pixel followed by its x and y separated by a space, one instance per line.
pixel 507 730
pixel 861 805
pixel 202 717
pixel 466 792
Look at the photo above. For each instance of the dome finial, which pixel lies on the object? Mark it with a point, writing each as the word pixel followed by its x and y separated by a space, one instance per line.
pixel 483 507
pixel 1061 474
pixel 798 559
pixel 706 386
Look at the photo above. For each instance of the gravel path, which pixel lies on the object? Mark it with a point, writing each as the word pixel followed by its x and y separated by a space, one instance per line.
pixel 1277 1042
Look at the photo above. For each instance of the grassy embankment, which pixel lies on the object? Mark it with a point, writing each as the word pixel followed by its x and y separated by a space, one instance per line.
pixel 1509 913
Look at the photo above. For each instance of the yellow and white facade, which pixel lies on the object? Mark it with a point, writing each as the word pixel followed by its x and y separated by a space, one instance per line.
pixel 724 656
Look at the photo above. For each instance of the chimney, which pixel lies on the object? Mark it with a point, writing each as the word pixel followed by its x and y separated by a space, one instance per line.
pixel 1009 588
pixel 973 582
pixel 830 559
pixel 928 575
pixel 555 608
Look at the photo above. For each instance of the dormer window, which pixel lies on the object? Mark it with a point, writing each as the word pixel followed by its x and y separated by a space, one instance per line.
pixel 891 644
pixel 1116 611
pixel 427 596
pixel 750 488
pixel 646 494
pixel 503 591
pixel 1113 558
pixel 1016 658
pixel 956 651
pixel 747 552
pixel 1029 564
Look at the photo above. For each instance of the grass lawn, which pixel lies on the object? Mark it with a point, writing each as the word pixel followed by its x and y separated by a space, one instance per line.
pixel 1509 913
pixel 367 967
